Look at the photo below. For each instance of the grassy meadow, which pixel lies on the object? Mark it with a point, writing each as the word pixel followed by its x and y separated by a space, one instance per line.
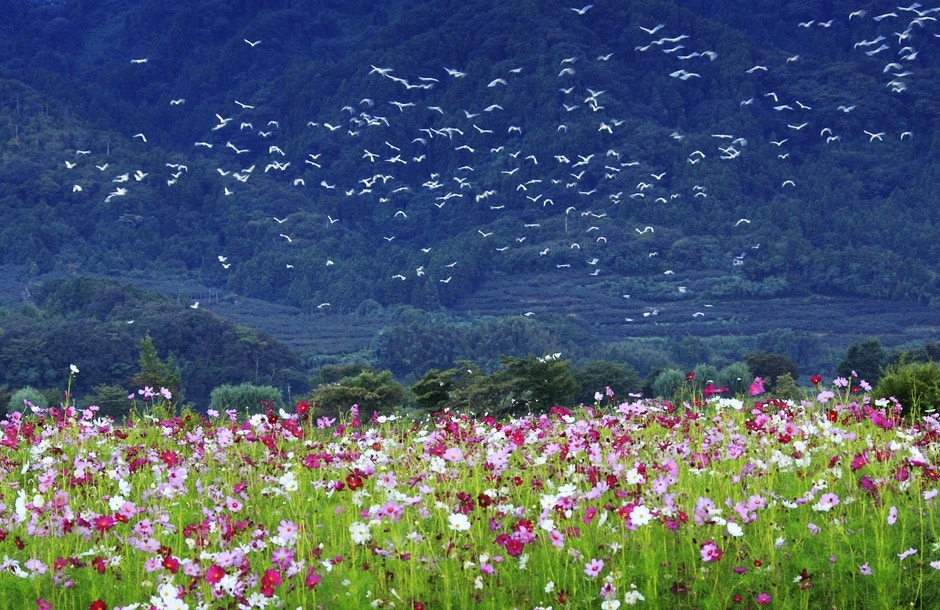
pixel 718 502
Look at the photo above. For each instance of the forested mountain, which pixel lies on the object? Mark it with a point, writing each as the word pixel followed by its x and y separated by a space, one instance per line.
pixel 344 156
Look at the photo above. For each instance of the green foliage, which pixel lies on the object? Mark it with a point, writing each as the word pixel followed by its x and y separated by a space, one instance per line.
pixel 246 398
pixel 5 396
pixel 463 388
pixel 770 366
pixel 866 358
pixel 538 383
pixel 598 375
pixel 111 401
pixel 332 373
pixel 28 394
pixel 372 391
pixel 916 386
pixel 689 351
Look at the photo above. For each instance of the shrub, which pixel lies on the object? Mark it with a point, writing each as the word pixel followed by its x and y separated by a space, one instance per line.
pixel 30 394
pixel 668 383
pixel 785 388
pixel 704 374
pixel 770 366
pixel 246 399
pixel 736 377
pixel 916 386
pixel 373 392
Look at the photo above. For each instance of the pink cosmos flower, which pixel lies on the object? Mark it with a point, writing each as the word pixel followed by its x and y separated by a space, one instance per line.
pixel 589 514
pixel 710 552
pixel 762 599
pixel 892 515
pixel 865 569
pixel 757 387
pixel 593 568
pixel 287 531
pixel 827 501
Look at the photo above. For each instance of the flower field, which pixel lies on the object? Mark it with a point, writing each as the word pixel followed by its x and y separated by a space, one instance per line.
pixel 729 504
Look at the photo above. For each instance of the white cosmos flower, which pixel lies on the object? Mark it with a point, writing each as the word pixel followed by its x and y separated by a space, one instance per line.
pixel 640 515
pixel 288 481
pixel 359 532
pixel 458 522
pixel 115 503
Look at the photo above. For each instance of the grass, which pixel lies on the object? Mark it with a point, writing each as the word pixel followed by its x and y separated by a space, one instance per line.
pixel 730 503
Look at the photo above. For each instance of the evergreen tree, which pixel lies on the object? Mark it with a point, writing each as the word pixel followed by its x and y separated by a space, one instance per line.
pixel 156 373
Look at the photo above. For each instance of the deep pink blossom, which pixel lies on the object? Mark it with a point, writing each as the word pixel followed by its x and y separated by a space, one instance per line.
pixel 757 387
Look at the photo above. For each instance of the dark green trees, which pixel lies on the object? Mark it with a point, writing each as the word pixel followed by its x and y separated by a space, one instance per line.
pixel 866 359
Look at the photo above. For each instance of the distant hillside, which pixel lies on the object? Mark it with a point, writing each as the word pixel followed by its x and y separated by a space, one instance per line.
pixel 401 154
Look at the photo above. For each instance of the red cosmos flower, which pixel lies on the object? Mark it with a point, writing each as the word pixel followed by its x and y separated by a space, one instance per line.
pixel 170 458
pixel 353 481
pixel 104 522
pixel 171 563
pixel 99 564
pixel 270 580
pixel 816 380
pixel 302 407
pixel 690 376
pixel 98 605
pixel 214 574
pixel 514 547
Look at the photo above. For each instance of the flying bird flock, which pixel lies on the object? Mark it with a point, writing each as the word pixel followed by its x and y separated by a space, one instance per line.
pixel 570 188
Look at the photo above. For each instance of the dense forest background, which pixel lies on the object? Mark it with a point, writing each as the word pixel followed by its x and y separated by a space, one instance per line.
pixel 657 184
